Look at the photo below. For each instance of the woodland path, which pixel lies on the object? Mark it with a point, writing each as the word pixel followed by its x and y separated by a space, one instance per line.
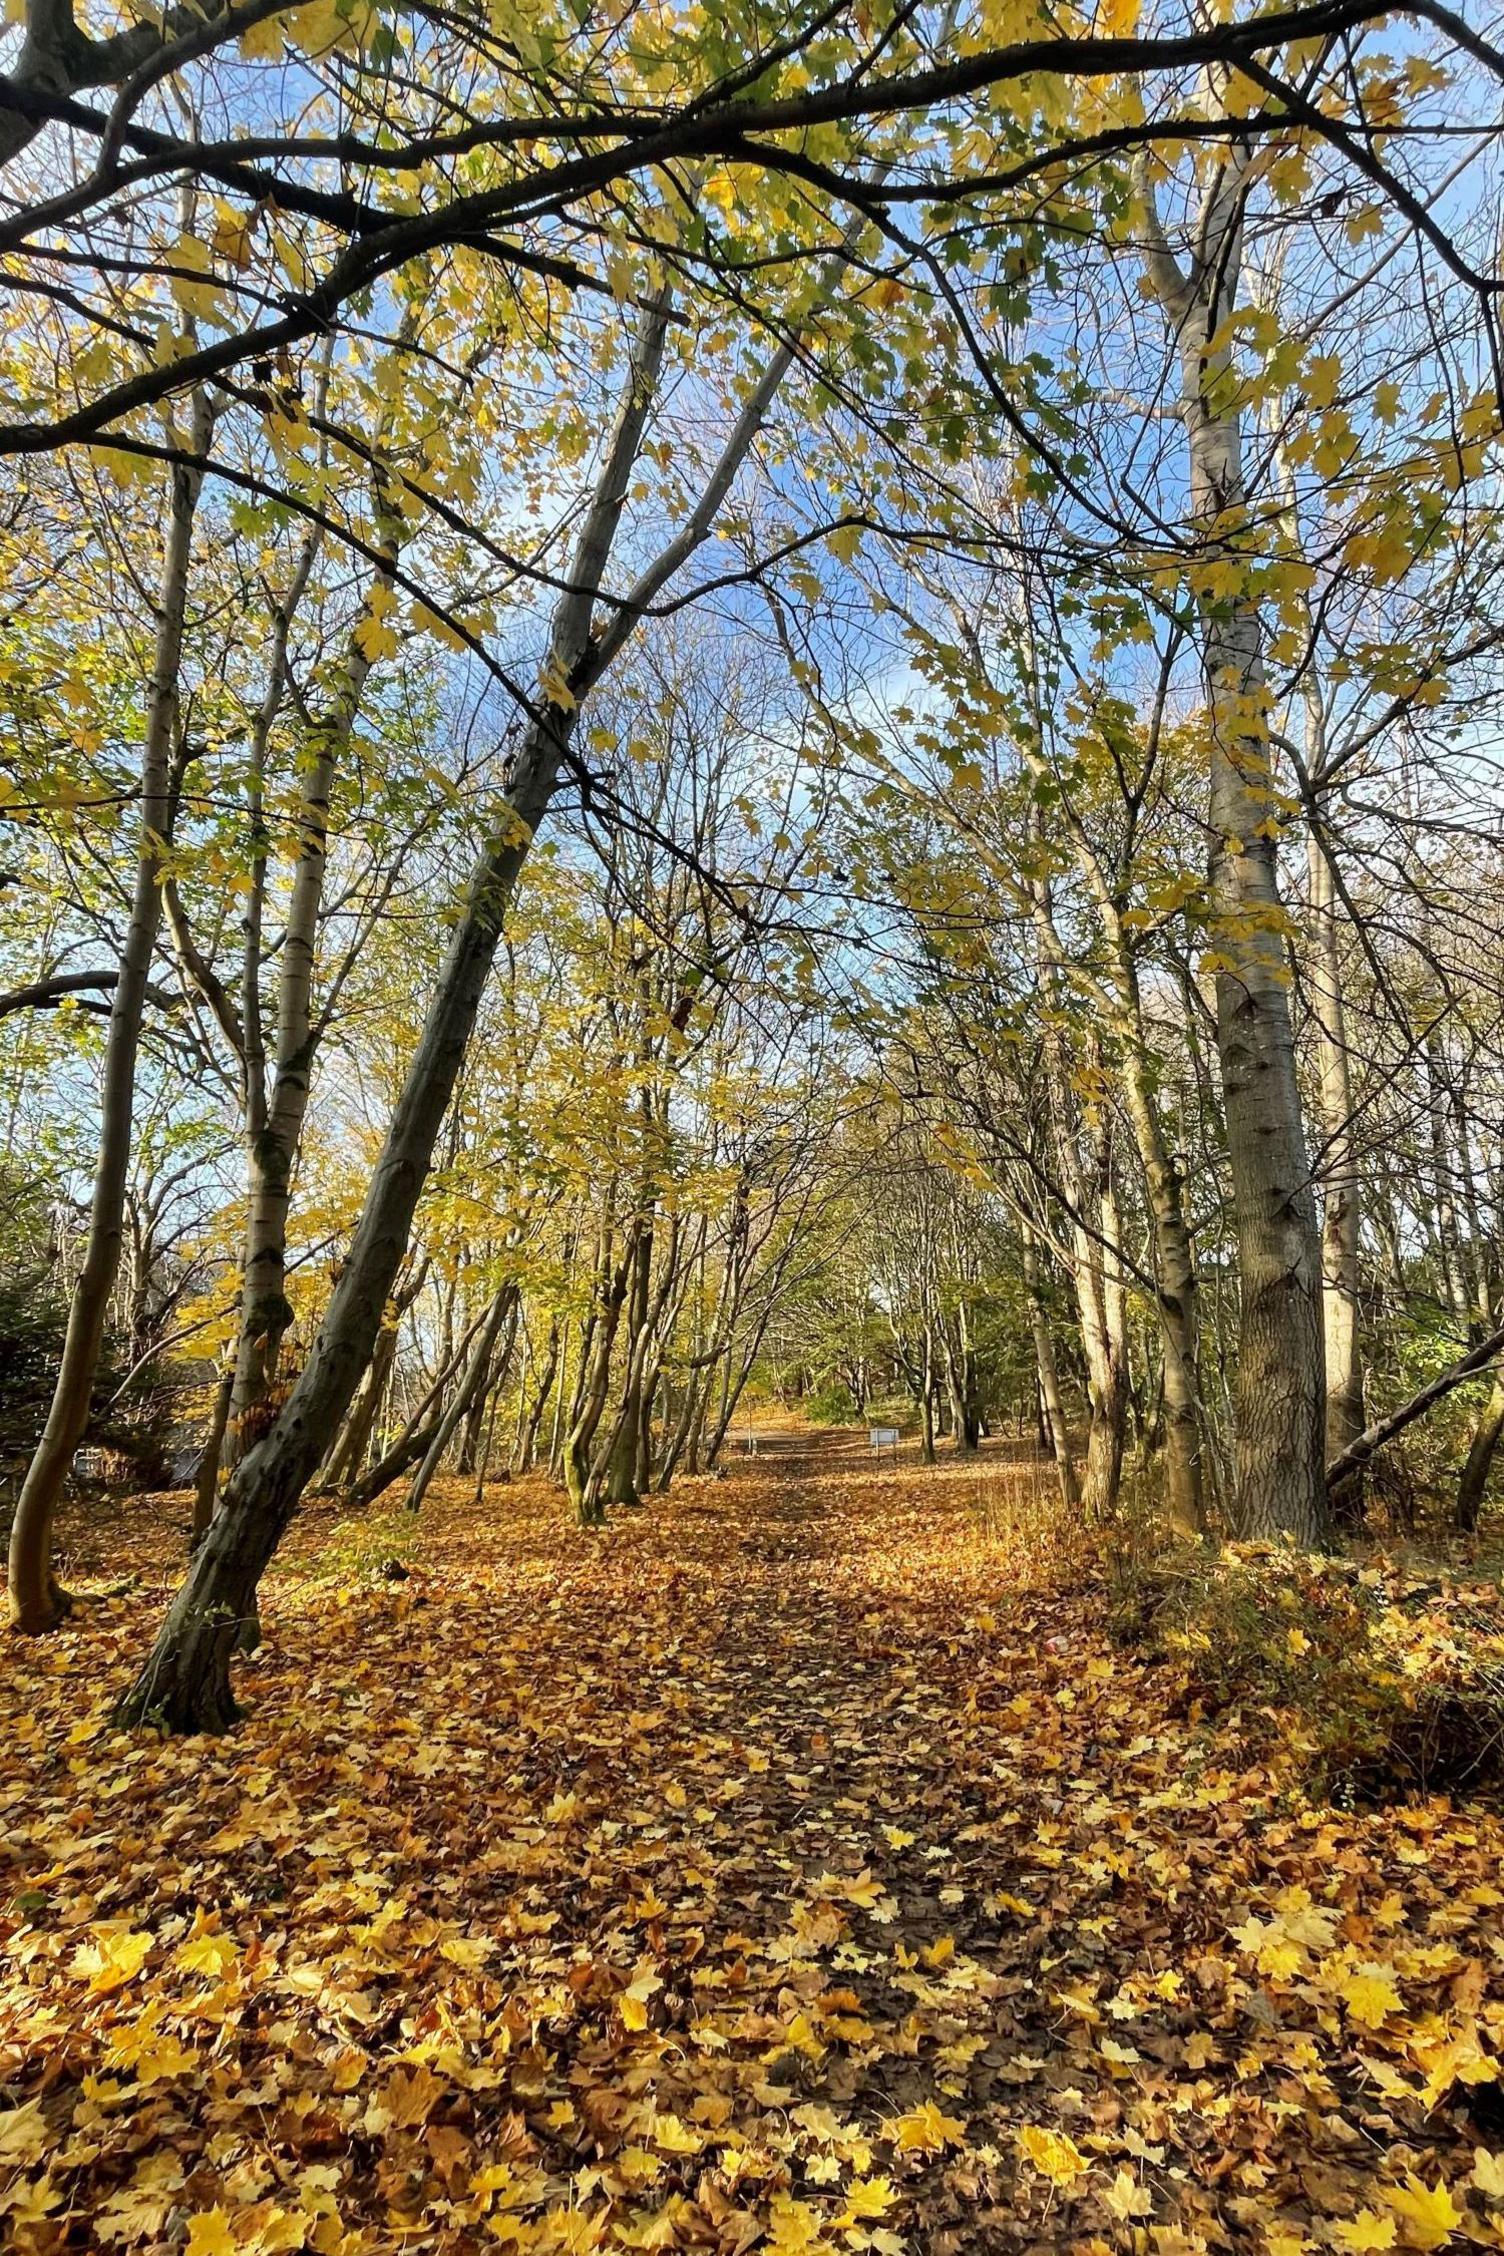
pixel 794 1864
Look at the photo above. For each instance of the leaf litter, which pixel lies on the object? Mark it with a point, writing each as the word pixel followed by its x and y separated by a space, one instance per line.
pixel 796 1865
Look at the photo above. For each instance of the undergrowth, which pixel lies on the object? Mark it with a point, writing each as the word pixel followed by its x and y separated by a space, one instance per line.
pixel 1378 1679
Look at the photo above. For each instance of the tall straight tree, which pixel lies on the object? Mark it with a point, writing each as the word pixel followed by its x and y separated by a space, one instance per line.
pixel 1280 1485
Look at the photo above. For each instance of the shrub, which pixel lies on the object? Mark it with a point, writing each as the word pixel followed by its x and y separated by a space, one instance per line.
pixel 1382 1681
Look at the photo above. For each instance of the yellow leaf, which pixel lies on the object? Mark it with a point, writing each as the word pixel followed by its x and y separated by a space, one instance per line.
pixel 796 2224
pixel 114 1959
pixel 1053 2155
pixel 1368 2230
pixel 1488 2173
pixel 675 2136
pixel 868 2197
pixel 720 190
pixel 192 280
pixel 1126 2198
pixel 553 685
pixel 262 42
pixel 375 639
pixel 209 2234
pixel 1428 2215
pixel 207 1954
pixel 1370 1995
pixel 1117 19
pixel 24 2136
pixel 924 2130
pixel 231 239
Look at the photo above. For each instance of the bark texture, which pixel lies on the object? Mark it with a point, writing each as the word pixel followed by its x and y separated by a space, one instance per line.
pixel 37 1601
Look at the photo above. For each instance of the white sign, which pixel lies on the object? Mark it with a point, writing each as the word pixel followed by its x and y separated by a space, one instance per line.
pixel 883 1437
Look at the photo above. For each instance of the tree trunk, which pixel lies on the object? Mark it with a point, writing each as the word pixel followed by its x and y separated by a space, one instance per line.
pixel 274 1125
pixel 626 1472
pixel 472 1388
pixel 528 1443
pixel 1178 1299
pixel 185 1683
pixel 1341 1227
pixel 347 1456
pixel 1280 1486
pixel 37 1600
pixel 1473 1485
pixel 1052 1409
pixel 582 1476
pixel 206 1486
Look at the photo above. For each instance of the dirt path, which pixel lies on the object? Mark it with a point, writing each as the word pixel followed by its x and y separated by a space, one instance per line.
pixel 794 1864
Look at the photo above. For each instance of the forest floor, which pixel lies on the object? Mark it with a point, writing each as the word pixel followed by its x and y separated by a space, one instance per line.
pixel 796 1864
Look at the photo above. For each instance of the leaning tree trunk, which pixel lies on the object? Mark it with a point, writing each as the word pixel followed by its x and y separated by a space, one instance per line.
pixel 185 1683
pixel 472 1388
pixel 206 1481
pixel 1473 1484
pixel 37 1601
pixel 345 1459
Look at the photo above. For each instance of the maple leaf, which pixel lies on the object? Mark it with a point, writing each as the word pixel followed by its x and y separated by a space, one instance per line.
pixel 795 2224
pixel 1125 2197
pixel 211 1954
pixel 1428 2216
pixel 209 2234
pixel 1052 2154
pixel 410 2096
pixel 114 1958
pixel 632 2004
pixel 24 2136
pixel 1370 1995
pixel 675 2136
pixel 924 2130
pixel 867 2198
pixel 1368 2230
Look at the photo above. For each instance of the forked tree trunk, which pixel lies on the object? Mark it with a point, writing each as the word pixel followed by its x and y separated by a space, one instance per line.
pixel 472 1388
pixel 528 1440
pixel 274 1124
pixel 37 1600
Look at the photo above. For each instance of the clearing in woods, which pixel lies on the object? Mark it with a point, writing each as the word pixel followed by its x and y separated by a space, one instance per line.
pixel 796 1863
